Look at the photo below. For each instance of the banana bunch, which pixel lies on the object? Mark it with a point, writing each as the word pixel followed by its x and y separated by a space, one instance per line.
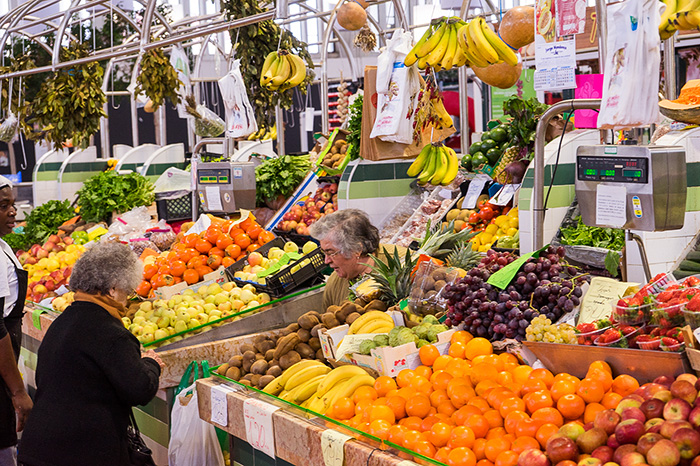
pixel 338 383
pixel 436 164
pixel 681 15
pixel 282 70
pixel 438 48
pixel 264 134
pixel 483 46
pixel 372 322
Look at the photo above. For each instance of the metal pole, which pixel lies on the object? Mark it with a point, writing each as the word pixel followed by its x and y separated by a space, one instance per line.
pixel 601 18
pixel 670 68
pixel 134 123
pixel 282 9
pixel 279 121
pixel 463 81
pixel 538 161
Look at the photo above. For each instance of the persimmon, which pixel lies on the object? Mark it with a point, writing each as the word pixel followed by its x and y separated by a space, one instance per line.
pixel 190 276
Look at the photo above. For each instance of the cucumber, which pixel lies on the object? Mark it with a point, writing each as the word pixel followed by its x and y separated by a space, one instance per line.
pixel 681 274
pixel 690 266
pixel 693 256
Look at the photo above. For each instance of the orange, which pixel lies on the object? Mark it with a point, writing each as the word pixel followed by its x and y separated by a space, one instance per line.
pixel 428 354
pixel 203 270
pixel 512 419
pixel 421 384
pixel 484 387
pixel 548 415
pixel 190 276
pixel 440 379
pixel 424 371
pixel 496 432
pixel 428 422
pixel 611 400
pixel 480 403
pixel 494 418
pixel 511 404
pixel 591 410
pixel 476 347
pixel 363 408
pixel 382 412
pixel 590 390
pixel 144 288
pixel 381 401
pixel 508 358
pixel 441 454
pixel 457 350
pixel 411 437
pixel 496 396
pixel 624 385
pixel 343 408
pixel 504 378
pixel 396 434
pixel 521 373
pixel 544 432
pixel 479 447
pixel 203 246
pixel 478 424
pixel 527 428
pixel 602 376
pixel 461 416
pixel 149 270
pixel 441 362
pixel 383 385
pixel 492 359
pixel 461 336
pixel 460 394
pixel 437 397
pixel 458 368
pixel 418 405
pixel 412 423
pixel 601 365
pixel 536 400
pixel 439 434
pixel 506 458
pixel 495 447
pixel 380 428
pixel 461 456
pixel 424 448
pixel 461 436
pixel 521 444
pixel 543 374
pixel 404 377
pixel 562 387
pixel 533 385
pixel 446 408
pixel 571 406
pixel 484 462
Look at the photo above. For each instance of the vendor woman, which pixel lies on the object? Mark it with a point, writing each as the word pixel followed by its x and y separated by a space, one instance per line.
pixel 15 403
pixel 347 239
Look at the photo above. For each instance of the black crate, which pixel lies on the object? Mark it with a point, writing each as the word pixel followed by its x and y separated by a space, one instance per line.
pixel 284 281
pixel 294 237
pixel 173 210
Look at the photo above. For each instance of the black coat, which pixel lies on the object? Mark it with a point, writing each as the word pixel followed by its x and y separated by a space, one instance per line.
pixel 89 374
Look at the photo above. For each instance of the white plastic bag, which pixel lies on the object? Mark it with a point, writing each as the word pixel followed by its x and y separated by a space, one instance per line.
pixel 179 60
pixel 173 179
pixel 397 86
pixel 240 116
pixel 633 50
pixel 207 124
pixel 8 128
pixel 193 442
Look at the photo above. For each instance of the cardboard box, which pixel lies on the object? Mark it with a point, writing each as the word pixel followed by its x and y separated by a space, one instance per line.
pixel 330 339
pixel 167 292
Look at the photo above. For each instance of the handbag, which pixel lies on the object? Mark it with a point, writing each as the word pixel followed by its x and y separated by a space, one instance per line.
pixel 139 453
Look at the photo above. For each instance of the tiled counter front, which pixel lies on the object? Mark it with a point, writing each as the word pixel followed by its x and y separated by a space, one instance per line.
pixel 297 441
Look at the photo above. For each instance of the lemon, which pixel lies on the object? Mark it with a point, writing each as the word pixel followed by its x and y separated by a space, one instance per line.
pixel 486 237
pixel 513 223
pixel 500 220
pixel 491 228
pixel 513 212
pixel 511 231
pixel 484 248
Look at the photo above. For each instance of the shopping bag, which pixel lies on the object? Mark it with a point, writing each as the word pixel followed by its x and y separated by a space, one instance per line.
pixel 240 116
pixel 179 60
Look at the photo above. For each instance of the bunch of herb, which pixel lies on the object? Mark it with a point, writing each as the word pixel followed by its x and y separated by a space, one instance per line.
pixel 44 220
pixel 355 128
pixel 17 241
pixel 280 176
pixel 158 79
pixel 583 235
pixel 109 192
pixel 524 115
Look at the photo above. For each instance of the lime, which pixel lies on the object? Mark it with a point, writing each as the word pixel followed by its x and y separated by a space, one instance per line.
pixel 479 159
pixel 499 134
pixel 467 162
pixel 486 135
pixel 488 144
pixel 474 148
pixel 493 155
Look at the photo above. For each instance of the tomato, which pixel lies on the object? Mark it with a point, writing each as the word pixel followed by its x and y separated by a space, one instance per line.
pixel 474 218
pixel 486 213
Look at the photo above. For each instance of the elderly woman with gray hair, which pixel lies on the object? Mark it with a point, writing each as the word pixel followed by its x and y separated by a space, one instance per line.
pixel 347 238
pixel 90 370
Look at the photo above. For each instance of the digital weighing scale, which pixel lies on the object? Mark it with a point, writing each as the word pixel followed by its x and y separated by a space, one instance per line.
pixel 225 187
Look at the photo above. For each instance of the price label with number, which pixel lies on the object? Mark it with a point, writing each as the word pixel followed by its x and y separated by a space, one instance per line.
pixel 474 191
pixel 258 425
pixel 333 447
pixel 219 406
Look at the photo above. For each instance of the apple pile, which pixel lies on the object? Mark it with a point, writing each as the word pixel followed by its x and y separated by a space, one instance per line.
pixel 49 265
pixel 301 216
pixel 257 262
pixel 657 425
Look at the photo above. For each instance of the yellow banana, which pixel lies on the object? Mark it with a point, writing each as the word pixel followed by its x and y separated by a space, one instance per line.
pixel 307 389
pixel 418 164
pixel 428 46
pixel 422 62
pixel 337 375
pixel 441 112
pixel 460 58
pixel 366 317
pixel 473 56
pixel 282 73
pixel 411 58
pixel 482 45
pixel 347 388
pixel 441 169
pixel 439 51
pixel 667 32
pixel 429 169
pixel 671 7
pixel 314 404
pixel 298 73
pixel 448 58
pixel 693 18
pixel 274 387
pixel 305 375
pixel 503 50
pixel 265 74
pixel 453 167
pixel 301 365
pixel 376 326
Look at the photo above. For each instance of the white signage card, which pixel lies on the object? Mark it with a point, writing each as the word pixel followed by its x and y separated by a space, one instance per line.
pixel 556 65
pixel 258 425
pixel 505 194
pixel 219 407
pixel 474 191
pixel 213 199
pixel 309 119
pixel 611 205
pixel 333 447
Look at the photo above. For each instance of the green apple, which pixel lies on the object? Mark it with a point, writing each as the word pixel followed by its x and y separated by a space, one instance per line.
pixel 193 323
pixel 209 307
pixel 210 299
pixel 139 320
pixel 188 292
pixel 140 312
pixel 160 334
pixel 180 326
pixel 145 306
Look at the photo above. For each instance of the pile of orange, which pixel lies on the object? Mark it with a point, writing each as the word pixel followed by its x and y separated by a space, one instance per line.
pixel 222 244
pixel 471 407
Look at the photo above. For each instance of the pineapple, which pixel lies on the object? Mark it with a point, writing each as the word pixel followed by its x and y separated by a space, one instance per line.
pixel 463 256
pixel 393 276
pixel 509 155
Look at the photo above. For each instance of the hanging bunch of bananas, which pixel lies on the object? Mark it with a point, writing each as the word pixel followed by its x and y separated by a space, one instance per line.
pixel 436 164
pixel 438 48
pixel 264 134
pixel 282 71
pixel 483 46
pixel 680 15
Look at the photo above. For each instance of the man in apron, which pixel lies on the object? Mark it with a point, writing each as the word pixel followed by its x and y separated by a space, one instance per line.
pixel 15 403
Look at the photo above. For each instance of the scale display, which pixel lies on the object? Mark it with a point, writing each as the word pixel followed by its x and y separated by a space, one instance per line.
pixel 614 169
pixel 214 176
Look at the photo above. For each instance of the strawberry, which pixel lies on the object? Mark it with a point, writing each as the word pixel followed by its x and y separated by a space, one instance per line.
pixel 691 281
pixel 648 342
pixel 670 344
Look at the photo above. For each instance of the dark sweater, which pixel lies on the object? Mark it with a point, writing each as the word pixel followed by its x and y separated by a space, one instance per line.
pixel 89 374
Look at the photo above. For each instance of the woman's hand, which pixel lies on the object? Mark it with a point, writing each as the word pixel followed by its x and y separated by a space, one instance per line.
pixel 23 406
pixel 153 355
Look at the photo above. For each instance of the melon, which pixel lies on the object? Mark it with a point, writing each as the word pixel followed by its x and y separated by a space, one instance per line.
pixel 501 75
pixel 517 27
pixel 149 107
pixel 544 23
pixel 686 108
pixel 352 16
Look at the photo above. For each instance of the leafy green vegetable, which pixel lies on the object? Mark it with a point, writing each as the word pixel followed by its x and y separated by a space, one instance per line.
pixel 525 114
pixel 17 241
pixel 280 176
pixel 583 235
pixel 355 128
pixel 158 79
pixel 42 222
pixel 109 192
pixel 612 262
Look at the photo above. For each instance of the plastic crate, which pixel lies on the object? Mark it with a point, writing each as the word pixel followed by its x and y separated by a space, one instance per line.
pixel 285 281
pixel 294 237
pixel 172 210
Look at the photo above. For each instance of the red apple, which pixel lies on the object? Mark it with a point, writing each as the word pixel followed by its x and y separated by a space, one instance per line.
pixel 572 430
pixel 591 439
pixel 652 407
pixel 664 380
pixel 611 463
pixel 687 376
pixel 566 463
pixel 688 442
pixel 604 453
pixel 326 196
pixel 34 250
pixel 684 390
pixel 664 453
pixel 67 240
pixel 40 289
pixel 591 461
pixel 647 441
pixel 561 449
pixel 622 450
pixel 633 413
pixel 648 389
pixel 663 395
pixel 533 457
pixel 654 424
pixel 607 420
pixel 627 403
pixel 54 239
pixel 696 461
pixel 629 431
pixel 49 246
pixel 612 442
pixel 42 253
pixel 677 409
pixel 669 427
pixel 31 260
pixel 50 285
pixel 694 417
pixel 632 458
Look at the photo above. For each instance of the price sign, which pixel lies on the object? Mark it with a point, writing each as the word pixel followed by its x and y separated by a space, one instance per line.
pixel 219 407
pixel 258 425
pixel 504 195
pixel 407 463
pixel 333 447
pixel 474 191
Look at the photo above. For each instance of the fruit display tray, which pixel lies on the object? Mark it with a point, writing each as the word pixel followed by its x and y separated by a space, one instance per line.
pixel 439 203
pixel 643 365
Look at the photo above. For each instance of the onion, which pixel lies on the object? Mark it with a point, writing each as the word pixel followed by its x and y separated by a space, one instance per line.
pixel 516 170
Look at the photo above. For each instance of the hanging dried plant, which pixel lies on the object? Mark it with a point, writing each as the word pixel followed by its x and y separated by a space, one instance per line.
pixel 366 40
pixel 158 79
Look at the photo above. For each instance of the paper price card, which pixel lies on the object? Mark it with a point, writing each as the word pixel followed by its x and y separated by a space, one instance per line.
pixel 597 302
pixel 333 447
pixel 474 191
pixel 219 407
pixel 407 463
pixel 258 425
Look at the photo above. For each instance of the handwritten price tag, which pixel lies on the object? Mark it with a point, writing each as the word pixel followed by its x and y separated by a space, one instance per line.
pixel 258 425
pixel 219 407
pixel 407 463
pixel 332 446
pixel 474 190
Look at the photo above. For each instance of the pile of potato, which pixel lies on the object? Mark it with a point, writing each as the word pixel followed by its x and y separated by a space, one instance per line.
pixel 334 157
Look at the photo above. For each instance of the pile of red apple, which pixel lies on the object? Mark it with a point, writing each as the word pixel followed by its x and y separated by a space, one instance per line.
pixel 658 425
pixel 301 216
